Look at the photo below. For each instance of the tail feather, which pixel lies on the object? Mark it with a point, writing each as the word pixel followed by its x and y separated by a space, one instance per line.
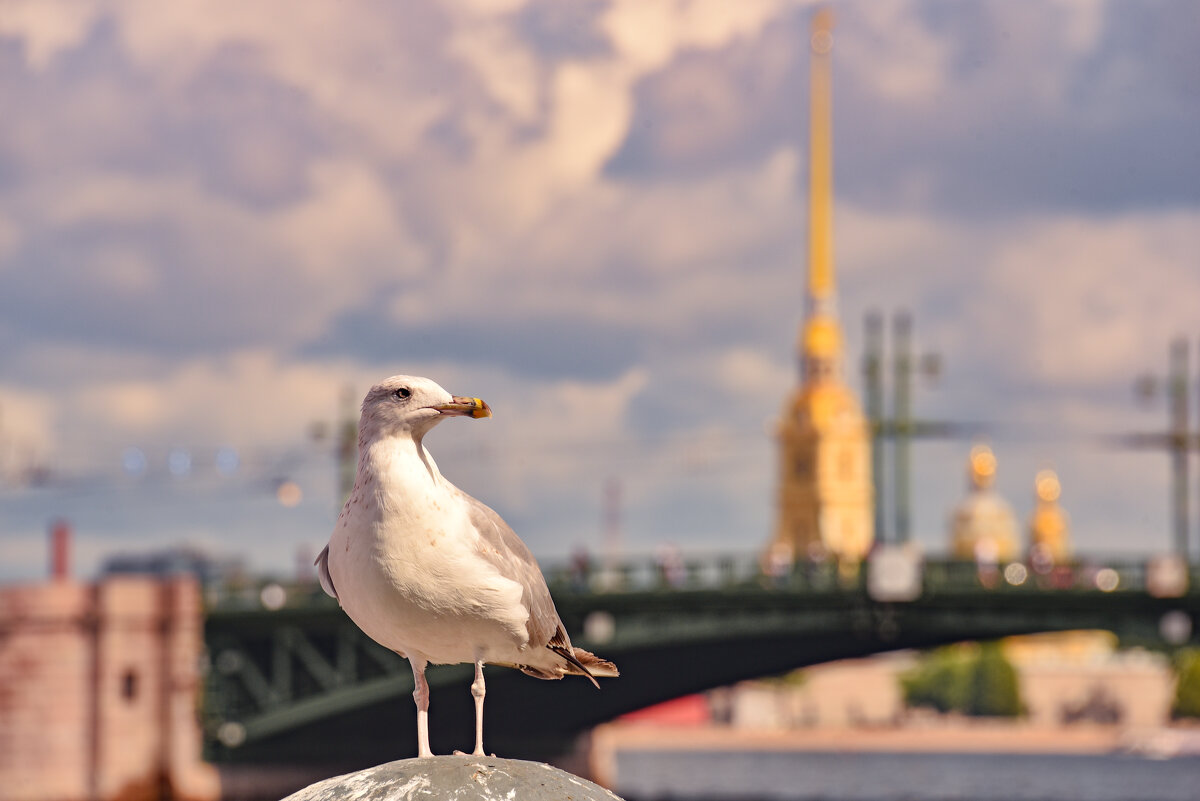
pixel 585 663
pixel 595 665
pixel 579 663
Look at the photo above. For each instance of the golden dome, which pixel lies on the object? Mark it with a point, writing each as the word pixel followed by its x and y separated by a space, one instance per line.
pixel 822 338
pixel 981 467
pixel 1049 526
pixel 984 526
pixel 1047 486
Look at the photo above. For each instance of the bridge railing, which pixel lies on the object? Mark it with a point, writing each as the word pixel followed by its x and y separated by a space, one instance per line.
pixel 740 571
pixel 678 573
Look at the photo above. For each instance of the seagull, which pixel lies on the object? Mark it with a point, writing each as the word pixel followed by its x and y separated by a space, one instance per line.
pixel 431 573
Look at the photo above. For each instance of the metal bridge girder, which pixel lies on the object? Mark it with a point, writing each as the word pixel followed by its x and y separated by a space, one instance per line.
pixel 277 672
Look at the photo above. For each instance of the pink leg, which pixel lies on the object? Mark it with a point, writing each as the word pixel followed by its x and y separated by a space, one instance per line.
pixel 478 690
pixel 421 696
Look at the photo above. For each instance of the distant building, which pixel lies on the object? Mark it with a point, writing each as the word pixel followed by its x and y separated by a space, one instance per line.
pixel 98 691
pixel 1049 527
pixel 825 493
pixel 1080 677
pixel 984 527
pixel 173 562
pixel 1066 678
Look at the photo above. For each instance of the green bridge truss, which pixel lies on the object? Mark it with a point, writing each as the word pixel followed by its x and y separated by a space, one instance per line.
pixel 301 682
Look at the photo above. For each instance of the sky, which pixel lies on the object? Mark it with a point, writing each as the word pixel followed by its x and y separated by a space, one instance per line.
pixel 217 219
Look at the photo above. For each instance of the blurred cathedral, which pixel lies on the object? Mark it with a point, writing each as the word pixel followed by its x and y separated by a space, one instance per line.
pixel 984 526
pixel 1049 527
pixel 825 489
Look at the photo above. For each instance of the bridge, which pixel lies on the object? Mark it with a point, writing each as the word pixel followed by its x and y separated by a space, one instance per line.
pixel 301 682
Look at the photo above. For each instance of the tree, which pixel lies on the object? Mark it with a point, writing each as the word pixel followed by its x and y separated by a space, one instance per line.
pixel 967 678
pixel 1187 684
pixel 939 680
pixel 993 689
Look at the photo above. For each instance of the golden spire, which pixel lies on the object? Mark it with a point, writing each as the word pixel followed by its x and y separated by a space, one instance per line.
pixel 820 162
pixel 821 337
pixel 825 494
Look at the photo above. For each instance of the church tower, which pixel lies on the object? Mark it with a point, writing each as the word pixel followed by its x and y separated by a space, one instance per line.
pixel 984 526
pixel 825 492
pixel 1049 527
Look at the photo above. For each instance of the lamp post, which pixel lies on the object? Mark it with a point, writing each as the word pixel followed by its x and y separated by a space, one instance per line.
pixel 901 428
pixel 1177 440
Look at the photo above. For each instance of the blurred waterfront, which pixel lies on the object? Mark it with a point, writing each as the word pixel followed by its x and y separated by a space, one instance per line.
pixel 709 775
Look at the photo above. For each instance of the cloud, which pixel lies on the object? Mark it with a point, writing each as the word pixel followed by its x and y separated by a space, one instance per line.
pixel 27 432
pixel 46 28
pixel 1089 294
pixel 248 399
pixel 675 241
pixel 201 271
pixel 979 109
pixel 10 238
pixel 648 35
pixel 593 213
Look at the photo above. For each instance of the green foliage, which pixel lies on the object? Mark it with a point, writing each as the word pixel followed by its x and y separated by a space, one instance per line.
pixel 972 680
pixel 939 681
pixel 1187 684
pixel 993 688
pixel 793 678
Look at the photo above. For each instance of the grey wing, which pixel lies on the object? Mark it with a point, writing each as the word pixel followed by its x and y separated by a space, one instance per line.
pixel 322 564
pixel 513 558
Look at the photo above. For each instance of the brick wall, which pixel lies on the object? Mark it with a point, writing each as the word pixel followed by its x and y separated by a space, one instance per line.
pixel 46 662
pixel 98 692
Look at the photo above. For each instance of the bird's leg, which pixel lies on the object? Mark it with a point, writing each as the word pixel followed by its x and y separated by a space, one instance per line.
pixel 421 696
pixel 478 690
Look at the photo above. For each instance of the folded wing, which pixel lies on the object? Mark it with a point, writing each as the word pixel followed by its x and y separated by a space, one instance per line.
pixel 322 564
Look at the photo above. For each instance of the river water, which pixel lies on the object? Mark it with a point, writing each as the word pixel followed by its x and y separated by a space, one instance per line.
pixel 807 776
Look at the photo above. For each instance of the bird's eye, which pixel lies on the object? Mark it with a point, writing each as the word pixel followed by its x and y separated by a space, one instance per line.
pixel 403 393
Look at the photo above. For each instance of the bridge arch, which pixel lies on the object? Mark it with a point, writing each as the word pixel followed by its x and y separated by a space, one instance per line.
pixel 303 683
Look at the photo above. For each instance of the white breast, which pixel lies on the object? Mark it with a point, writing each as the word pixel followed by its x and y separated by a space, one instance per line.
pixel 404 558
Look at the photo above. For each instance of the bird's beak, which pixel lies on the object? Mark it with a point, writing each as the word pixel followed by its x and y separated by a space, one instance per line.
pixel 465 407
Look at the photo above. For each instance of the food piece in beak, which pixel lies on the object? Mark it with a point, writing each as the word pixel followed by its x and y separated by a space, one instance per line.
pixel 465 407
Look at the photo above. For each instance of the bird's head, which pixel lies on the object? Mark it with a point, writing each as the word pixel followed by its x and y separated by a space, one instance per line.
pixel 409 403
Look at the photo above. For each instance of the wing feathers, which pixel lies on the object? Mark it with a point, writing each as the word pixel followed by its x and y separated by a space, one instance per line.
pixel 512 558
pixel 322 564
